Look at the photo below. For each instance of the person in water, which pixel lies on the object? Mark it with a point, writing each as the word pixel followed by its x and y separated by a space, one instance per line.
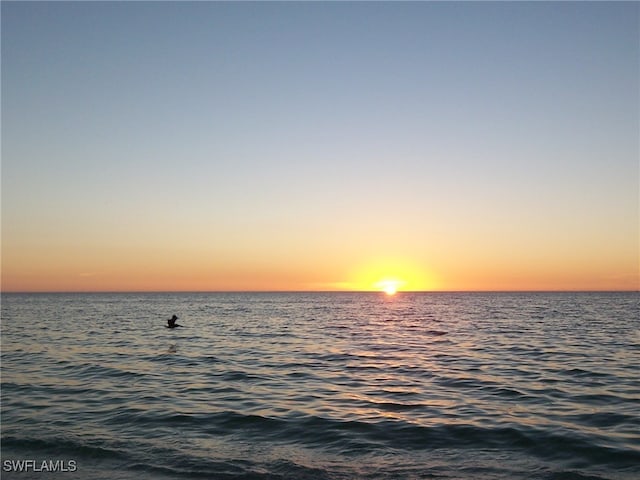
pixel 171 323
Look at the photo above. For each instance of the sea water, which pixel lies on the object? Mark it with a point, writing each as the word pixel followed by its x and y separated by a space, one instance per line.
pixel 321 386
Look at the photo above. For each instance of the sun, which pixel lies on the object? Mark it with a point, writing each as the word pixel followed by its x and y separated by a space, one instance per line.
pixel 390 289
pixel 390 275
pixel 389 286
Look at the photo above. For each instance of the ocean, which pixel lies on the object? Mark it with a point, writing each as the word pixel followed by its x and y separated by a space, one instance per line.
pixel 318 386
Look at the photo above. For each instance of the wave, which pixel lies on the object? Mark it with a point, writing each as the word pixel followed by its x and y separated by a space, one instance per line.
pixel 353 439
pixel 62 446
pixel 354 436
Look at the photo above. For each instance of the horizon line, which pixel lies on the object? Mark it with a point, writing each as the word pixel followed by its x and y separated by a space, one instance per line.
pixel 2 292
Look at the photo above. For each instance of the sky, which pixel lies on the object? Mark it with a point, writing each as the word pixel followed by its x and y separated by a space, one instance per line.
pixel 205 146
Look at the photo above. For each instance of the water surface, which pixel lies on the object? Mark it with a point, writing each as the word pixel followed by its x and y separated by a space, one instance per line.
pixel 323 385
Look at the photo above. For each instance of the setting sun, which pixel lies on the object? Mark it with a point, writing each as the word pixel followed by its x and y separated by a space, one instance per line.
pixel 390 289
pixel 391 275
pixel 389 286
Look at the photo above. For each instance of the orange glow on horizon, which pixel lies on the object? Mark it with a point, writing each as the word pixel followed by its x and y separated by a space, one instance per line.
pixel 69 271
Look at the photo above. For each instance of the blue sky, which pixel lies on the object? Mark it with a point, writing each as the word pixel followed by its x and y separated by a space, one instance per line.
pixel 275 133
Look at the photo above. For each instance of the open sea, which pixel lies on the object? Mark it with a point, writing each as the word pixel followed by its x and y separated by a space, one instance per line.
pixel 315 386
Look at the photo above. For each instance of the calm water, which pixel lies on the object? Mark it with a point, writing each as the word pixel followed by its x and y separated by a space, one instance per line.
pixel 322 386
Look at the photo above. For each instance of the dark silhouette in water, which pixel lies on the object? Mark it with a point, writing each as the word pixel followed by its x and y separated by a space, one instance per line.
pixel 171 323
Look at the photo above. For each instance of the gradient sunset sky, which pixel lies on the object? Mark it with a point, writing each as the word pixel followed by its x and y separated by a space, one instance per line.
pixel 320 146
